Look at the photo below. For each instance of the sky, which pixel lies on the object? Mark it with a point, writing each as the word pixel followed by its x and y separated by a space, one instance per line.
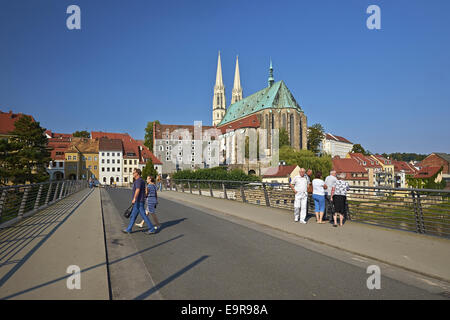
pixel 142 60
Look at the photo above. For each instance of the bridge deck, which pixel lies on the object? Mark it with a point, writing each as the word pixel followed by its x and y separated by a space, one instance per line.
pixel 35 253
pixel 422 254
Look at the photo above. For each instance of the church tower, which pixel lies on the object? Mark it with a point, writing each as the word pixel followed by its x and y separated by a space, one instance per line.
pixel 271 79
pixel 237 89
pixel 219 104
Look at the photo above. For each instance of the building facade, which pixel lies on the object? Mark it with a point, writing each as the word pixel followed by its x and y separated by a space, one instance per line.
pixel 336 145
pixel 81 159
pixel 111 161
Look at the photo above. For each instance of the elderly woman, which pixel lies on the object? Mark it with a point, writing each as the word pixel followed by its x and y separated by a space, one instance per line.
pixel 339 196
pixel 319 188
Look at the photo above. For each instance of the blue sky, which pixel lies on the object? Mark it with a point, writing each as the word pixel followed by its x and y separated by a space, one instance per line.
pixel 137 61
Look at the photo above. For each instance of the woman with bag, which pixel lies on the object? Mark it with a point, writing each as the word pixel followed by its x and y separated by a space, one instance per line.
pixel 151 193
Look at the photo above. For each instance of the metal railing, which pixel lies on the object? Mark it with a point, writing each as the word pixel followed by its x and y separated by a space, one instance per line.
pixel 17 202
pixel 423 211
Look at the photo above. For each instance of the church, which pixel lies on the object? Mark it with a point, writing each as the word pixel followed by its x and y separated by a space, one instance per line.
pixel 273 107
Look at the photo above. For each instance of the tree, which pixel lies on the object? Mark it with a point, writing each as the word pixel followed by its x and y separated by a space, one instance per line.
pixel 306 159
pixel 24 157
pixel 357 148
pixel 315 137
pixel 149 134
pixel 283 138
pixel 149 170
pixel 82 134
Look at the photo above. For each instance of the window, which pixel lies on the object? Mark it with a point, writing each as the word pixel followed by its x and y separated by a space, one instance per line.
pixel 104 179
pixel 60 164
pixel 113 169
pixel 167 141
pixel 118 169
pixel 90 158
pixel 112 160
pixel 69 157
pixel 161 148
pixel 112 154
pixel 124 161
pixel 95 158
pixel 124 169
pixel 117 179
pixel 107 160
pixel 180 148
pixel 107 154
pixel 103 160
pixel 167 158
pixel 118 161
pixel 135 162
pixel 95 167
pixel 84 158
pixel 74 157
pixel 125 179
pixel 103 169
pixel 107 169
pixel 103 154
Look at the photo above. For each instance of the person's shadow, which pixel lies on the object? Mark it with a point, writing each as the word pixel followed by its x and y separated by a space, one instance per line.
pixel 171 223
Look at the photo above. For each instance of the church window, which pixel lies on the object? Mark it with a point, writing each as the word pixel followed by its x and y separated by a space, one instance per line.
pixel 301 134
pixel 291 124
pixel 284 121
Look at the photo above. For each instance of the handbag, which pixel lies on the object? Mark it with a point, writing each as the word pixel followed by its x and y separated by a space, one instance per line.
pixel 127 212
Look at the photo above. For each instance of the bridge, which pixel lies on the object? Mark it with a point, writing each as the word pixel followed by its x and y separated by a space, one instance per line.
pixel 219 240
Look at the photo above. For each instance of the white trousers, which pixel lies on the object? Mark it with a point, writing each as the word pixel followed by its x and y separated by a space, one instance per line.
pixel 300 203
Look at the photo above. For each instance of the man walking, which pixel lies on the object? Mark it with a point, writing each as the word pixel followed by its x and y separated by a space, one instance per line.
pixel 330 181
pixel 300 187
pixel 138 203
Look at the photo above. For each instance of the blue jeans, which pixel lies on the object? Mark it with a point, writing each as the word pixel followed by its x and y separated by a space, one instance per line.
pixel 160 186
pixel 138 207
pixel 319 203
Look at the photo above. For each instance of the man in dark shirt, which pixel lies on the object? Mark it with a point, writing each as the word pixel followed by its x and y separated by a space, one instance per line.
pixel 138 203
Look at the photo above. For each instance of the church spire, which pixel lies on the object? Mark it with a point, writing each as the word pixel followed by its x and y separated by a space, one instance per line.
pixel 271 80
pixel 237 89
pixel 219 80
pixel 219 96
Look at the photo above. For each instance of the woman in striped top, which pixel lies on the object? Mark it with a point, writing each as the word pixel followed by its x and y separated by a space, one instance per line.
pixel 151 193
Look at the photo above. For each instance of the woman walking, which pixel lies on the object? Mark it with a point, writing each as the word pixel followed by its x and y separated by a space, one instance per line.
pixel 319 187
pixel 339 197
pixel 152 200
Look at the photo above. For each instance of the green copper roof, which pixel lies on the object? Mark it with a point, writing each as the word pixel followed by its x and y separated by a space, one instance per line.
pixel 277 96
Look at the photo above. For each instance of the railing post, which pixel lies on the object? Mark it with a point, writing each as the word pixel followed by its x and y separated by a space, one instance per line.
pixel 182 186
pixel 210 190
pixel 190 187
pixel 175 186
pixel 224 191
pixel 24 201
pixel 243 193
pixel 416 211
pixel 38 198
pixel 199 189
pixel 266 195
pixel 2 202
pixel 420 212
pixel 62 190
pixel 49 191
pixel 56 192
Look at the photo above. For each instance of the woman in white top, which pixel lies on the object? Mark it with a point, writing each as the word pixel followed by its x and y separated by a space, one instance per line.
pixel 319 187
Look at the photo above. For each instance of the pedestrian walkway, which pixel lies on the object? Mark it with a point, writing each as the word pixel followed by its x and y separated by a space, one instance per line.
pixel 36 252
pixel 426 255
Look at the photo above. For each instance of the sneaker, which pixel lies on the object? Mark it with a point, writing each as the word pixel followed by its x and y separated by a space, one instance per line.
pixel 303 221
pixel 151 232
pixel 125 231
pixel 296 219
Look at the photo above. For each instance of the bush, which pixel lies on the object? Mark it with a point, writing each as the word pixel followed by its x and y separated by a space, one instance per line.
pixel 217 173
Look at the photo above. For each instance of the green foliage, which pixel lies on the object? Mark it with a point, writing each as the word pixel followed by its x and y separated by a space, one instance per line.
pixel 82 134
pixel 217 173
pixel 283 138
pixel 357 148
pixel 24 157
pixel 148 139
pixel 149 170
pixel 405 156
pixel 315 137
pixel 426 183
pixel 306 159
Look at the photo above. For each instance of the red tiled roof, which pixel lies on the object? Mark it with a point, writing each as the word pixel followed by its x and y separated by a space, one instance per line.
pixel 405 166
pixel 348 166
pixel 7 120
pixel 280 171
pixel 427 172
pixel 330 136
pixel 366 162
pixel 247 122
pixel 58 135
pixel 57 147
pixel 106 144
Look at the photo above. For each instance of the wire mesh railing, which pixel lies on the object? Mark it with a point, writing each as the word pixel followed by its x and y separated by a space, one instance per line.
pixel 23 200
pixel 423 211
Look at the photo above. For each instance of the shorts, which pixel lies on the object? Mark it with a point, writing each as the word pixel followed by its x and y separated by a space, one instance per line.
pixel 151 207
pixel 319 203
pixel 339 204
